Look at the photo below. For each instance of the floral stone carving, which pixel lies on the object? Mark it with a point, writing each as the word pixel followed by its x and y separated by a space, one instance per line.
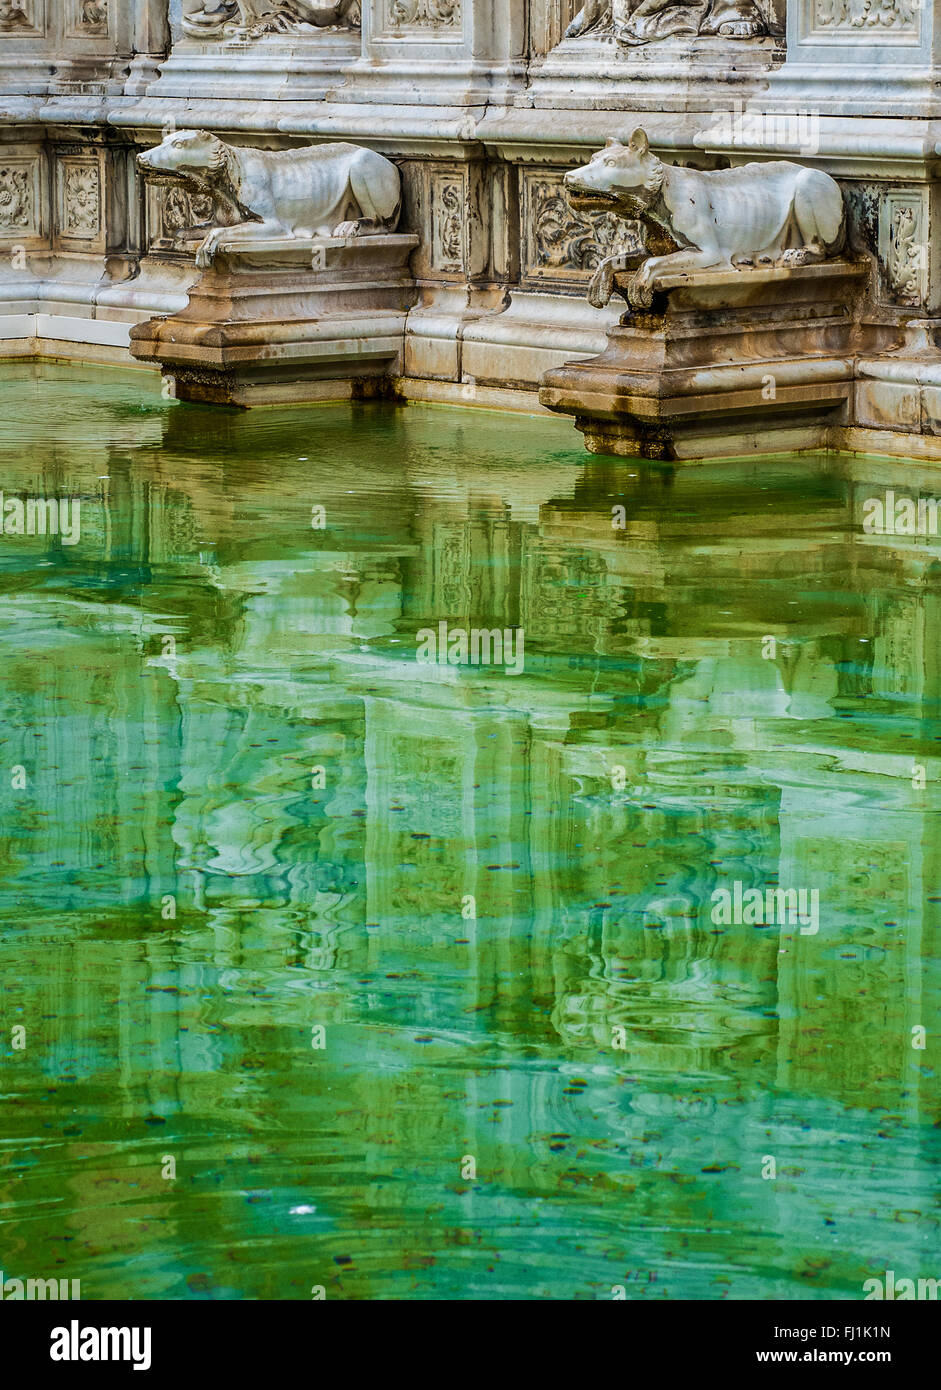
pixel 15 199
pixel 562 239
pixel 82 201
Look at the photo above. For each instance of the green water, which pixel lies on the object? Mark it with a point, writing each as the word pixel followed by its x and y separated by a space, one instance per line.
pixel 619 1067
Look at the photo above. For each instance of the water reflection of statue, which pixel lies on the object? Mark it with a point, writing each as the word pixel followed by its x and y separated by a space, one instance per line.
pixel 644 21
pixel 250 18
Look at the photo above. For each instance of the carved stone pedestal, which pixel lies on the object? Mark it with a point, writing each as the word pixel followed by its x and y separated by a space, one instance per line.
pixel 282 320
pixel 726 362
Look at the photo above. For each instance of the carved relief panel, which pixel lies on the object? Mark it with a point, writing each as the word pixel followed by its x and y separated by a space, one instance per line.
pixel 251 19
pixel 562 246
pixel 427 21
pixel 22 219
pixel 634 25
pixel 88 19
pixel 448 222
pixel 866 22
pixel 903 246
pixel 451 207
pixel 23 18
pixel 79 185
pixel 423 14
pixel 176 216
pixel 864 14
pixel 434 32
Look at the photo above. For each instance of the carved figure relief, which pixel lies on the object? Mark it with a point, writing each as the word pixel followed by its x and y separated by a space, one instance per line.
pixel 335 190
pixel 93 17
pixel 183 212
pixel 634 22
pixel 424 13
pixel 16 14
pixel 776 213
pixel 176 213
pixel 249 19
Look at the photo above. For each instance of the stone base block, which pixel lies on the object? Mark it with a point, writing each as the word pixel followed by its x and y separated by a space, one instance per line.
pixel 675 74
pixel 899 392
pixel 252 70
pixel 728 361
pixel 282 320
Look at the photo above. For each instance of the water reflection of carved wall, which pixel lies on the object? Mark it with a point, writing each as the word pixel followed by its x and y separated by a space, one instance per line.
pixel 191 774
pixel 290 653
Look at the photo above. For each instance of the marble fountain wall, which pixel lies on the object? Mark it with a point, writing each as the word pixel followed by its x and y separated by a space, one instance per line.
pixel 483 105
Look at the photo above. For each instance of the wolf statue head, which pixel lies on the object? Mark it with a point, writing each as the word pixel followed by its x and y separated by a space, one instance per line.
pixel 185 152
pixel 624 179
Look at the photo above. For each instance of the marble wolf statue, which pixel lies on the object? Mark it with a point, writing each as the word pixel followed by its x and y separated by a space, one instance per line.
pixel 776 213
pixel 335 190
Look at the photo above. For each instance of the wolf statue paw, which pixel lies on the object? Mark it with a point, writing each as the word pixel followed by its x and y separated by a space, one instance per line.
pixel 640 294
pixel 803 255
pixel 206 253
pixel 601 288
